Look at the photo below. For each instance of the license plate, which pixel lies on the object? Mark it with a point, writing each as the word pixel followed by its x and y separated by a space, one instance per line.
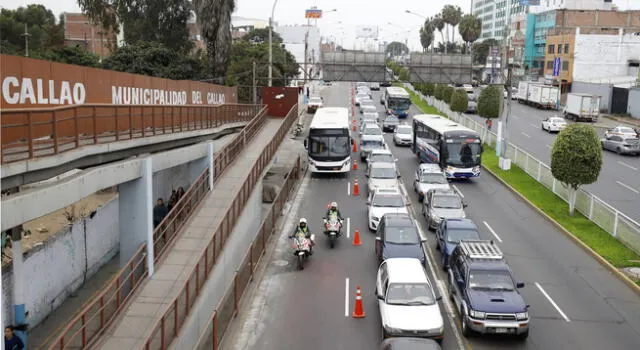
pixel 502 330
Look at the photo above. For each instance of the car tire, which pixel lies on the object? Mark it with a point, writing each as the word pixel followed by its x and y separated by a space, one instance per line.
pixel 523 336
pixel 466 331
pixel 618 150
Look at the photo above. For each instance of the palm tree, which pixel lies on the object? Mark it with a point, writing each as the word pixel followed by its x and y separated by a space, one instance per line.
pixel 451 15
pixel 426 37
pixel 214 17
pixel 438 23
pixel 470 28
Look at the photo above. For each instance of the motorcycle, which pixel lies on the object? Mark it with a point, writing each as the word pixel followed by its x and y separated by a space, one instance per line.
pixel 302 249
pixel 333 229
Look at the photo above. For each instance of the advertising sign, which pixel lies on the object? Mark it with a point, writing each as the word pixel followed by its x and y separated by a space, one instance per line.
pixel 313 13
pixel 367 32
pixel 556 66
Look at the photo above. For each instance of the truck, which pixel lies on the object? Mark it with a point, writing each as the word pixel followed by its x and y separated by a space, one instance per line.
pixel 582 107
pixel 523 90
pixel 543 96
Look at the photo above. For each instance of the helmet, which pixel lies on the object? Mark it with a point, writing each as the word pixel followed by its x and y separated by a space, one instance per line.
pixel 334 205
pixel 303 221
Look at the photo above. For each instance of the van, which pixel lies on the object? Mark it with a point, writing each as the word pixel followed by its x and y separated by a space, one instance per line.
pixel 407 301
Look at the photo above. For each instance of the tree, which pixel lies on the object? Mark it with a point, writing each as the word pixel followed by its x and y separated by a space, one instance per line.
pixel 451 15
pixel 404 74
pixel 44 33
pixel 438 91
pixel 426 38
pixel 262 35
pixel 429 88
pixel 438 24
pixel 447 91
pixel 459 101
pixel 470 28
pixel 77 55
pixel 480 50
pixel 214 17
pixel 396 48
pixel 576 159
pixel 489 102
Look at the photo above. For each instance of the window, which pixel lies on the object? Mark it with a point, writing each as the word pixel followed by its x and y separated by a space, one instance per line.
pixel 566 48
pixel 549 64
pixel 551 49
pixel 565 66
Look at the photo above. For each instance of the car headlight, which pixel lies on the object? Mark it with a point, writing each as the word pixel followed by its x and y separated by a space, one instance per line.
pixel 345 163
pixel 476 314
pixel 521 316
pixel 438 330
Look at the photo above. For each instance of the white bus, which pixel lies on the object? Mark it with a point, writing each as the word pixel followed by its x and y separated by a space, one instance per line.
pixel 397 101
pixel 457 149
pixel 329 141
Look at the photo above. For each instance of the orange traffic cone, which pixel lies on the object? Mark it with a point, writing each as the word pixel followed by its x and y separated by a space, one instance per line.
pixel 355 164
pixel 358 311
pixel 353 128
pixel 356 188
pixel 356 238
pixel 355 148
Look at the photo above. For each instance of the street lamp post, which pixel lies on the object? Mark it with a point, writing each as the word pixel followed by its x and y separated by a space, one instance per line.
pixel 273 9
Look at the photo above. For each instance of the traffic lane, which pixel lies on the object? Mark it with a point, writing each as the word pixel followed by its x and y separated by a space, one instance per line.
pixel 532 262
pixel 583 291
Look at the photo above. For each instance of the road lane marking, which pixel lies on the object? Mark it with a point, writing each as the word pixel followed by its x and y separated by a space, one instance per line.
pixel 346 297
pixel 348 226
pixel 525 134
pixel 552 302
pixel 627 165
pixel 628 187
pixel 457 190
pixel 348 188
pixel 533 125
pixel 492 231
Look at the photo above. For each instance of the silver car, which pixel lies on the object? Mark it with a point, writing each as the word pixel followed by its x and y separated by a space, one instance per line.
pixel 368 144
pixel 382 175
pixel 403 135
pixel 621 144
pixel 441 204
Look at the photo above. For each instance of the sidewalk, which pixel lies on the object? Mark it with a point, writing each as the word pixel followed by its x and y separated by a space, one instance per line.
pixel 60 317
pixel 140 316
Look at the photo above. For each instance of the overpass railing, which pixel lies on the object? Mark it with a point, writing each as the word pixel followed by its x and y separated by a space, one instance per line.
pixel 169 325
pixel 95 316
pixel 41 132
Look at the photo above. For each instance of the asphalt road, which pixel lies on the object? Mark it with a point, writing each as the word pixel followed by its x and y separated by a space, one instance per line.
pixel 619 181
pixel 575 303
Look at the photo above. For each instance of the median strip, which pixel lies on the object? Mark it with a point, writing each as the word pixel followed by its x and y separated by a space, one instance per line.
pixel 596 239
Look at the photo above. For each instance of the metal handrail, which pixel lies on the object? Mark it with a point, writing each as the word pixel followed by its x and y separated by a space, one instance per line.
pixel 178 310
pixel 79 324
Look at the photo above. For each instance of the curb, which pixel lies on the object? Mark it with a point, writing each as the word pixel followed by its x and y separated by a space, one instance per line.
pixel 621 276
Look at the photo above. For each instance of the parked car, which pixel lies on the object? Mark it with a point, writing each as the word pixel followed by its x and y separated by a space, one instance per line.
pixel 390 123
pixel 554 124
pixel 450 233
pixel 403 135
pixel 427 177
pixel 383 201
pixel 407 301
pixel 315 102
pixel 484 292
pixel 621 144
pixel 381 175
pixel 441 204
pixel 623 131
pixel 407 343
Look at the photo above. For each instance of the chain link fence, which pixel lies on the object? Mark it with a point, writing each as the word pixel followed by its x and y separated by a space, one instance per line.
pixel 617 224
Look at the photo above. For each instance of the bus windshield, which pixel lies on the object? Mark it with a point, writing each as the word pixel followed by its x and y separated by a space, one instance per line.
pixel 462 154
pixel 399 103
pixel 329 146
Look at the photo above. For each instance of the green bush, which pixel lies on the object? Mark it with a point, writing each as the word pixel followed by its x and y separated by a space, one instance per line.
pixel 437 91
pixel 447 91
pixel 459 101
pixel 429 89
pixel 489 101
pixel 404 74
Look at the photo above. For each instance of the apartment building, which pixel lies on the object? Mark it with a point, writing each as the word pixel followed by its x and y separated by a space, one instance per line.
pixel 493 14
pixel 78 30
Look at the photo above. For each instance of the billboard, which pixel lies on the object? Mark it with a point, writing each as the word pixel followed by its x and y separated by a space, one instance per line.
pixel 313 13
pixel 28 83
pixel 367 32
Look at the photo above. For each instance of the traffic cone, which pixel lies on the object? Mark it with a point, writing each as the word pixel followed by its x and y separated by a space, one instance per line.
pixel 355 148
pixel 358 310
pixel 355 164
pixel 353 127
pixel 356 238
pixel 356 188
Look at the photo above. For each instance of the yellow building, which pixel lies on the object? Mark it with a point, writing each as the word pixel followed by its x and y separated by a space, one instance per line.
pixel 560 46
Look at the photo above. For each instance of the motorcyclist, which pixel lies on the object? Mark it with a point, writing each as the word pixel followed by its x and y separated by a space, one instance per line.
pixel 302 228
pixel 333 210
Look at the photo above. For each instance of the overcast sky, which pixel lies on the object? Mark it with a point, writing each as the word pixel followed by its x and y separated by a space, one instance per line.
pixel 339 25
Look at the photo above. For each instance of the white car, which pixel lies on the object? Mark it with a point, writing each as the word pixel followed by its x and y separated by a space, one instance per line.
pixel 428 177
pixel 369 108
pixel 407 301
pixel 370 115
pixel 360 97
pixel 403 135
pixel 382 175
pixel 383 201
pixel 372 130
pixel 623 131
pixel 315 102
pixel 380 155
pixel 554 124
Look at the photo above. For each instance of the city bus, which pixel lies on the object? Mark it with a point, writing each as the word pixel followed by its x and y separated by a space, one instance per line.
pixel 329 141
pixel 457 149
pixel 397 101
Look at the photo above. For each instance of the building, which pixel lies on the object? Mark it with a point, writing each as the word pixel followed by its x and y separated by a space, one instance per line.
pixel 78 30
pixel 237 21
pixel 493 14
pixel 604 57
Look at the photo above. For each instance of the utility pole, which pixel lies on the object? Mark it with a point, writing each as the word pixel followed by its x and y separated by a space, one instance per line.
pixel 306 51
pixel 255 89
pixel 505 106
pixel 26 36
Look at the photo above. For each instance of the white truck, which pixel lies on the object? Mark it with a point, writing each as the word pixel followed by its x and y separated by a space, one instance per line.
pixel 582 107
pixel 543 96
pixel 523 90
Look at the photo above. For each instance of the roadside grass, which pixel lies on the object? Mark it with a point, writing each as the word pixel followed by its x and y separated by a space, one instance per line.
pixel 588 232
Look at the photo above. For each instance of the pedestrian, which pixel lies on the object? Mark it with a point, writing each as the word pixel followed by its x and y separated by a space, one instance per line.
pixel 6 242
pixel 180 192
pixel 173 200
pixel 12 341
pixel 489 123
pixel 307 92
pixel 159 212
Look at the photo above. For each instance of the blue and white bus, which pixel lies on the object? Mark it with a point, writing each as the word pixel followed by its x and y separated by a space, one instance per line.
pixel 329 141
pixel 457 149
pixel 397 101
